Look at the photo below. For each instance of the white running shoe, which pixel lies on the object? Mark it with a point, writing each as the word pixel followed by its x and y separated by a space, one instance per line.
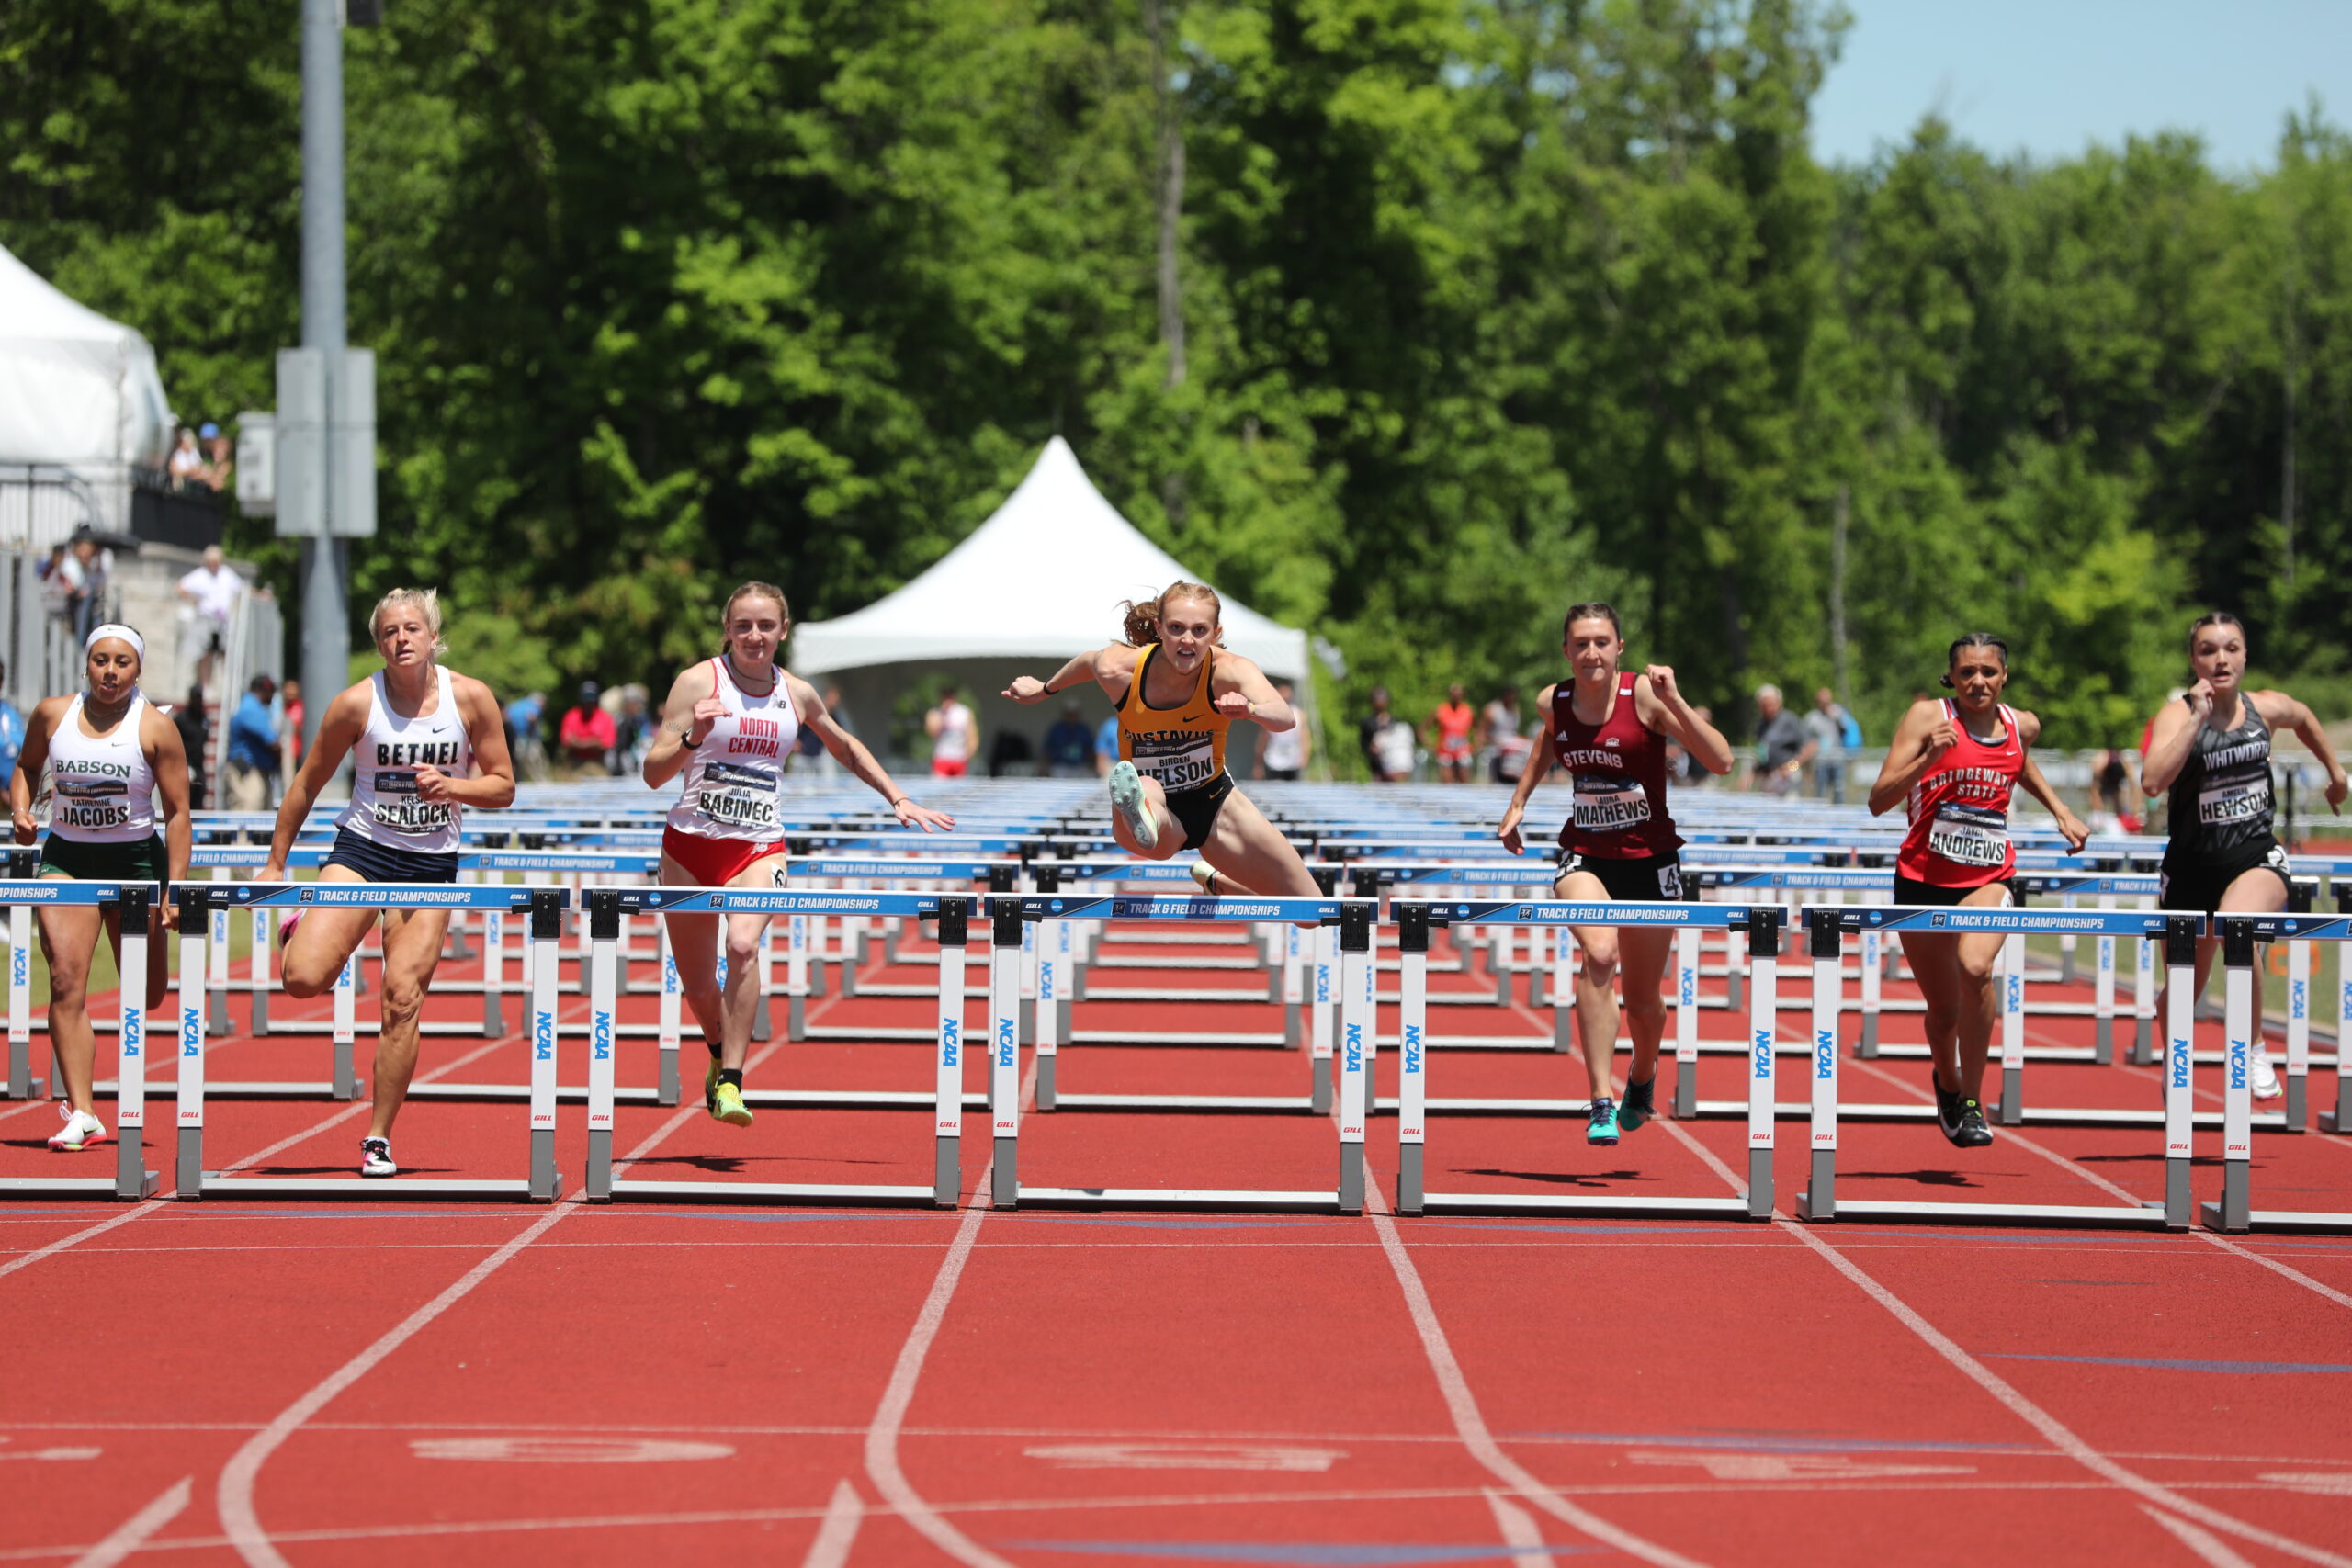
pixel 1127 799
pixel 376 1158
pixel 1205 876
pixel 80 1130
pixel 2266 1077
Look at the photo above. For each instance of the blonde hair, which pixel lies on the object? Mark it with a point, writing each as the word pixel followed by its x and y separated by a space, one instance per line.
pixel 1142 616
pixel 427 601
pixel 752 591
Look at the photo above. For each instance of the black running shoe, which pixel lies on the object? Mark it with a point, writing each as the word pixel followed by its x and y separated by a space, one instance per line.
pixel 1948 1114
pixel 1638 1106
pixel 1973 1133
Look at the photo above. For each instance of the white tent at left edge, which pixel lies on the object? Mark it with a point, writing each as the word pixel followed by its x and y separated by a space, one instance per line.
pixel 1040 581
pixel 76 388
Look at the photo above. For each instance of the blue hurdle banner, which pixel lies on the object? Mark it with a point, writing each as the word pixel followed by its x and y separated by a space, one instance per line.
pixel 776 901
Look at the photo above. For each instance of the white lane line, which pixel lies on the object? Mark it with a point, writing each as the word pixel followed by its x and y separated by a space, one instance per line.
pixel 1519 1530
pixel 1471 1423
pixel 2058 1434
pixel 62 1243
pixel 2201 1542
pixel 133 1533
pixel 837 1531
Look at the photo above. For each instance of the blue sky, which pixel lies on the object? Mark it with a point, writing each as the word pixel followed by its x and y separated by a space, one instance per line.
pixel 2049 77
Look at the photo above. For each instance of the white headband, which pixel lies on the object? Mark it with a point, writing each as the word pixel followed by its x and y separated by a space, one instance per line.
pixel 115 628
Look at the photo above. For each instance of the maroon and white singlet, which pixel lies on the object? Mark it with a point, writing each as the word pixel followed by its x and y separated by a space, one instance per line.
pixel 1618 768
pixel 1959 810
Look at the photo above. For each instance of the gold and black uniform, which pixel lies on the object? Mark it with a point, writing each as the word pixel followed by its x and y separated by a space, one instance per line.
pixel 1182 746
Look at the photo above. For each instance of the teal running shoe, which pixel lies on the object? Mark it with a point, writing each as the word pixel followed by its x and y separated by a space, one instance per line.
pixel 1600 1124
pixel 1640 1104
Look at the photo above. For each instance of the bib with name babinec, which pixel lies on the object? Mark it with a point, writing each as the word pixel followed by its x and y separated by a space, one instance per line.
pixel 1182 746
pixel 1959 810
pixel 1618 767
pixel 384 805
pixel 734 780
pixel 102 789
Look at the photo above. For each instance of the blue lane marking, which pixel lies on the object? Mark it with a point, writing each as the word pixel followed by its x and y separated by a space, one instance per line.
pixel 1297 1555
pixel 2171 1364
pixel 1772 1443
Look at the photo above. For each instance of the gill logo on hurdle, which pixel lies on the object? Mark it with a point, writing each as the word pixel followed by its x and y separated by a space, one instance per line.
pixel 1761 1054
pixel 543 1036
pixel 951 1043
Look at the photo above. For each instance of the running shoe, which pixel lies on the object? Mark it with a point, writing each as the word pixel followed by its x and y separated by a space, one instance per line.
pixel 710 1086
pixel 727 1104
pixel 1600 1124
pixel 1640 1105
pixel 376 1158
pixel 2266 1077
pixel 286 927
pixel 1127 799
pixel 1948 1112
pixel 80 1130
pixel 1973 1133
pixel 1205 876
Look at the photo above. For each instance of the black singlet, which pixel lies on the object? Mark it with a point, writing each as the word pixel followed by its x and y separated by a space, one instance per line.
pixel 2221 804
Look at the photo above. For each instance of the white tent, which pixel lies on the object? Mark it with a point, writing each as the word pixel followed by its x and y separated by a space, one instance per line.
pixel 1037 582
pixel 76 388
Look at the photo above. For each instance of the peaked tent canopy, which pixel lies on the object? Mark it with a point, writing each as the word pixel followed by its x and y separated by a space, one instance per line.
pixel 76 388
pixel 1041 578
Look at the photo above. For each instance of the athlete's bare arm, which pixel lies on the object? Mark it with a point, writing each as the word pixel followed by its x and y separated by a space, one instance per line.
pixel 1657 702
pixel 1539 763
pixel 2070 826
pixel 850 753
pixel 493 786
pixel 692 708
pixel 167 760
pixel 2280 711
pixel 1242 691
pixel 2169 742
pixel 30 760
pixel 339 731
pixel 1111 667
pixel 1925 733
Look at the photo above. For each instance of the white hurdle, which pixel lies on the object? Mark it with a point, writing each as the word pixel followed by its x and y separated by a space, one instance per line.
pixel 2235 1212
pixel 131 1181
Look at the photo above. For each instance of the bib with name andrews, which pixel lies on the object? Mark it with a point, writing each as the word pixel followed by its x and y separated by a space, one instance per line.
pixel 1959 810
pixel 102 790
pixel 1182 746
pixel 734 780
pixel 1618 768
pixel 384 805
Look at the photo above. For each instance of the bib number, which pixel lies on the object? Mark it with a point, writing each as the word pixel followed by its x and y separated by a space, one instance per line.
pixel 1969 836
pixel 1188 768
pixel 737 797
pixel 1606 804
pixel 2225 805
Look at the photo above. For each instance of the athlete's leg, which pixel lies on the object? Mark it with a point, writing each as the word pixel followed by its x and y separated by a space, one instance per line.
pixel 1250 853
pixel 1596 990
pixel 412 951
pixel 1962 1070
pixel 1172 836
pixel 2260 891
pixel 693 948
pixel 323 939
pixel 744 933
pixel 1641 956
pixel 158 953
pixel 1934 958
pixel 68 937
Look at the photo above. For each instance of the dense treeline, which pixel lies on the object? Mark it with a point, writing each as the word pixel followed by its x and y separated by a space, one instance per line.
pixel 1409 321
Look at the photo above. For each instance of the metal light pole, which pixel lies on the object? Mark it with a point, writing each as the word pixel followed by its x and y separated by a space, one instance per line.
pixel 325 626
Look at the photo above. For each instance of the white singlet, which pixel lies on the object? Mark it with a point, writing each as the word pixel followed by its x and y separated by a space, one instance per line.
pixel 734 780
pixel 954 741
pixel 385 807
pixel 102 789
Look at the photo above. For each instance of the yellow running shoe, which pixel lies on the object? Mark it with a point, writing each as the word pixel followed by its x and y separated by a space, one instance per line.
pixel 729 1107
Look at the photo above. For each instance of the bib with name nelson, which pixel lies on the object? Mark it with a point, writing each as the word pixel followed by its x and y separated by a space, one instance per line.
pixel 1183 746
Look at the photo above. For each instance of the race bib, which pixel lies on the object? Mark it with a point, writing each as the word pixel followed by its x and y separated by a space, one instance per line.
pixel 1969 835
pixel 739 797
pixel 2238 800
pixel 398 809
pixel 1609 803
pixel 1180 760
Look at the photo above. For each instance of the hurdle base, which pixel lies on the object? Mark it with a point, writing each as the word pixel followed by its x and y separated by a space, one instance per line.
pixel 35 1089
pixel 665 1090
pixel 947 1171
pixel 1684 1102
pixel 1179 1197
pixel 2032 1052
pixel 1320 1100
pixel 1285 1104
pixel 1818 1203
pixel 1756 1201
pixel 1630 1206
pixel 767 1193
pixel 1048 1096
pixel 2336 1121
pixel 1005 1174
pixel 396 1188
pixel 2295 1222
pixel 2091 1216
pixel 1799 1110
pixel 795 1023
pixel 1411 1167
pixel 106 1186
pixel 2296 1115
pixel 854 1098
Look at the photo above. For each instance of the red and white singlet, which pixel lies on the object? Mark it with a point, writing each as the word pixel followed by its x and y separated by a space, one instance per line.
pixel 1959 810
pixel 733 780
pixel 1618 767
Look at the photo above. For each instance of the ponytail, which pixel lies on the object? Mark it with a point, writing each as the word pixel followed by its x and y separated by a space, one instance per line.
pixel 1140 618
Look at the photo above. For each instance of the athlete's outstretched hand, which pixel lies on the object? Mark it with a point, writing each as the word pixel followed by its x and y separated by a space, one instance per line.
pixel 707 712
pixel 2071 829
pixel 1508 831
pixel 1942 736
pixel 1661 680
pixel 1026 688
pixel 2337 789
pixel 910 815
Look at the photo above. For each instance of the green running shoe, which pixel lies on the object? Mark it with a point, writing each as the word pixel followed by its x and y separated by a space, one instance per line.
pixel 1640 1104
pixel 1600 1124
pixel 727 1104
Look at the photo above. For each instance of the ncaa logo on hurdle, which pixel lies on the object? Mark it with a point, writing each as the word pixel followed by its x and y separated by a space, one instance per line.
pixel 1005 1046
pixel 1045 980
pixel 1688 993
pixel 20 967
pixel 951 1043
pixel 1762 1055
pixel 1825 1055
pixel 600 1037
pixel 1353 1061
pixel 134 1030
pixel 2298 1004
pixel 191 1030
pixel 2237 1064
pixel 543 1037
pixel 2178 1060
pixel 1412 1048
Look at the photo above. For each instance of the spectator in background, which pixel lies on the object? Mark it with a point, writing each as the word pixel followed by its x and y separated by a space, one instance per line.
pixel 56 584
pixel 826 766
pixel 292 744
pixel 522 742
pixel 587 734
pixel 1011 755
pixel 1499 724
pixel 1782 747
pixel 1284 755
pixel 629 729
pixel 1826 726
pixel 2112 793
pixel 220 458
pixel 1681 768
pixel 1390 744
pixel 189 719
pixel 84 569
pixel 253 749
pixel 208 597
pixel 185 465
pixel 1069 746
pixel 1106 746
pixel 12 729
pixel 1449 732
pixel 955 736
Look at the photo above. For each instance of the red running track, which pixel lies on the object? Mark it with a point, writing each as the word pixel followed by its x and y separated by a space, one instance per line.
pixel 313 1383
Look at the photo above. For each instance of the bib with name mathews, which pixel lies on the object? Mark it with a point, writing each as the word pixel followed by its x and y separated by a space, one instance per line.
pixel 386 807
pixel 734 780
pixel 102 790
pixel 1182 746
